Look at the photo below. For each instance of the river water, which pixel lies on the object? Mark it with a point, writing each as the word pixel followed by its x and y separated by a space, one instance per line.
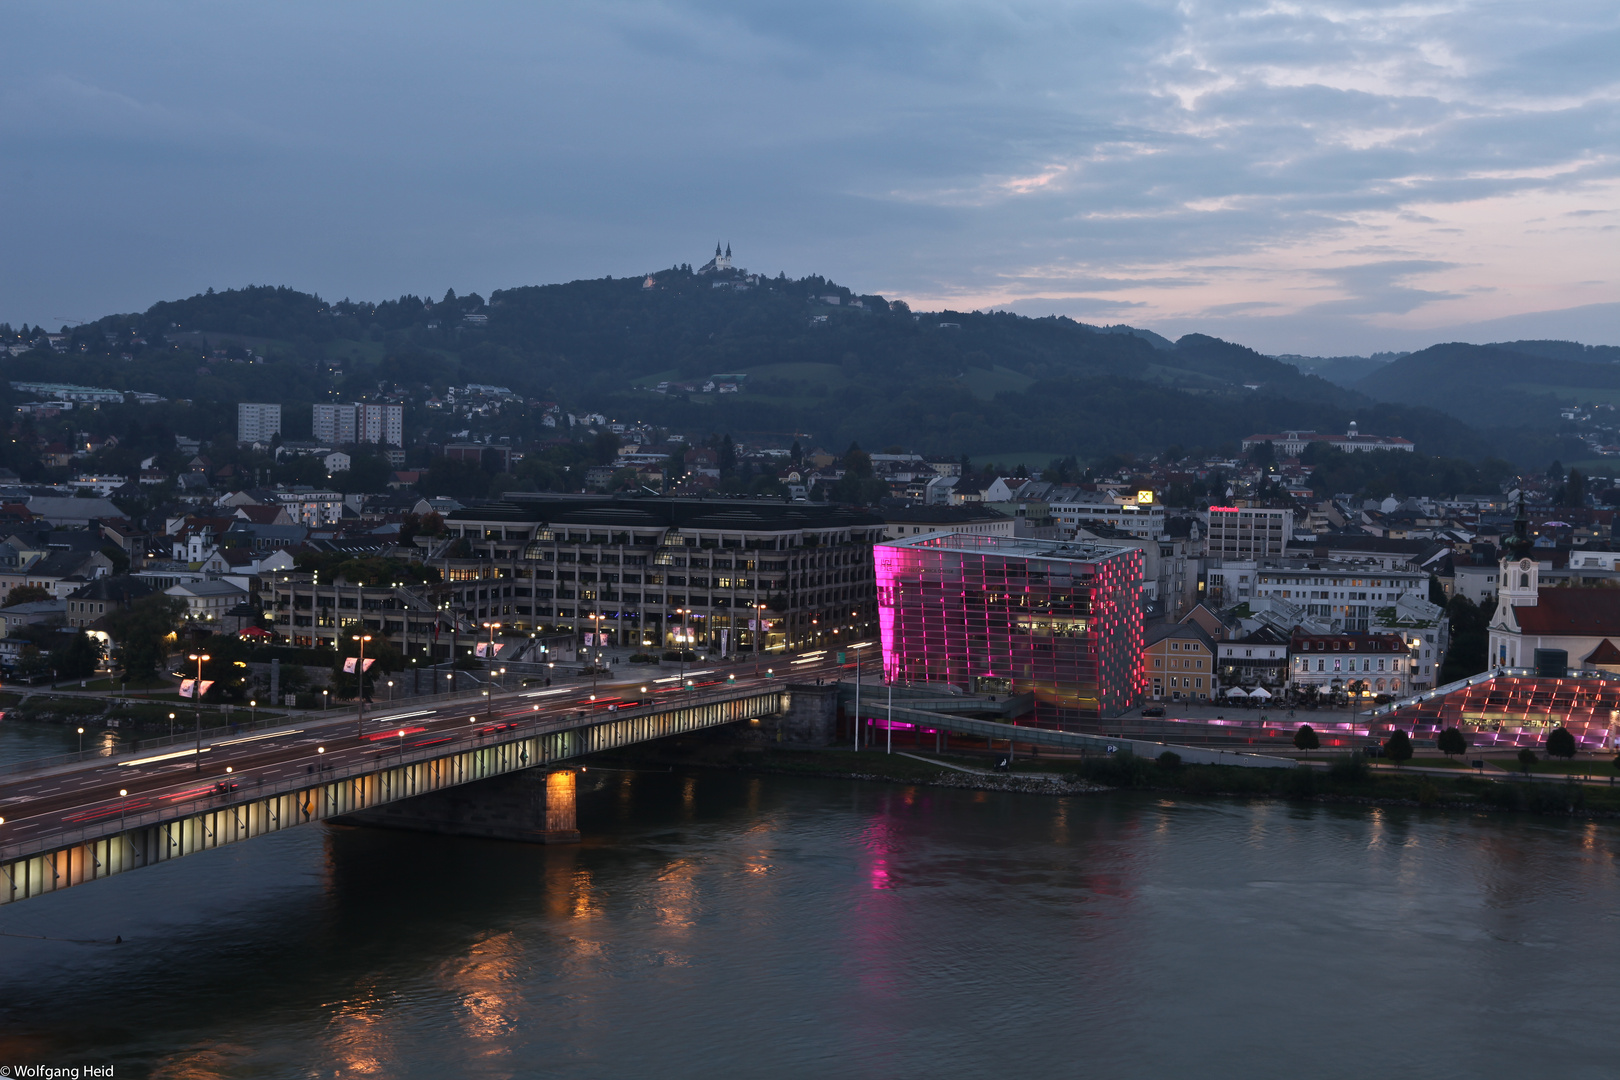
pixel 720 925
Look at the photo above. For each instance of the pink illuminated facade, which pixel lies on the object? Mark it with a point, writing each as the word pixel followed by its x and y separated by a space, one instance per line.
pixel 987 613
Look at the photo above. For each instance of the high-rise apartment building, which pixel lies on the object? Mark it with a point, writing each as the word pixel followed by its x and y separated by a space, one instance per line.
pixel 1249 532
pixel 1058 619
pixel 340 425
pixel 257 422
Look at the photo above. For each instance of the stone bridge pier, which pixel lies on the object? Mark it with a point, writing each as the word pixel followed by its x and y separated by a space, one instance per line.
pixel 533 806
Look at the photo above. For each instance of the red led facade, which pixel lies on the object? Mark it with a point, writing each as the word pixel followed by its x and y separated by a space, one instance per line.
pixel 1061 620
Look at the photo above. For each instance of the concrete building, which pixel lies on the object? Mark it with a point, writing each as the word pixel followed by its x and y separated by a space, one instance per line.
pixel 902 522
pixel 1178 663
pixel 1249 532
pixel 652 572
pixel 257 422
pixel 1360 664
pixel 1291 443
pixel 343 425
pixel 1138 514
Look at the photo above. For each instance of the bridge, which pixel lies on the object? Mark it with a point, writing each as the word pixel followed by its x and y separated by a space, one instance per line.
pixel 494 767
pixel 68 823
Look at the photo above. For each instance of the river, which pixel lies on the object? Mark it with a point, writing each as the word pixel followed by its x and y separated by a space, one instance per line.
pixel 718 925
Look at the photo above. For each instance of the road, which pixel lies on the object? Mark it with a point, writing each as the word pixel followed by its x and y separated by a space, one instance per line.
pixel 36 805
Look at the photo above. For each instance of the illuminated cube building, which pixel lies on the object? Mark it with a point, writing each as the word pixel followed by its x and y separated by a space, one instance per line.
pixel 1012 615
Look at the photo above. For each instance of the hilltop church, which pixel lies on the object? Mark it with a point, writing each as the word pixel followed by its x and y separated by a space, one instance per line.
pixel 1585 623
pixel 719 262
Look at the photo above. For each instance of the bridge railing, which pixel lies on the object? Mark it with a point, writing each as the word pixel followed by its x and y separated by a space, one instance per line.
pixel 248 793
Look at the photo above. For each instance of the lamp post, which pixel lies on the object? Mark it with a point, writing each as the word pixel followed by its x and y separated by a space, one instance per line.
pixel 759 633
pixel 858 649
pixel 680 642
pixel 196 696
pixel 360 677
pixel 490 692
pixel 390 691
pixel 171 725
pixel 253 712
pixel 81 740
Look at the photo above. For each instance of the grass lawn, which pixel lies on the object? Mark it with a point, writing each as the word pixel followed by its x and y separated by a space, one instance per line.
pixel 135 686
pixel 1600 768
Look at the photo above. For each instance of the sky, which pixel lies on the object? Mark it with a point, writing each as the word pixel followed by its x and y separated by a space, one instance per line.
pixel 1331 178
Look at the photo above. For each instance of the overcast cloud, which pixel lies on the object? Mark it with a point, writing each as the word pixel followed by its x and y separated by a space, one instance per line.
pixel 1326 178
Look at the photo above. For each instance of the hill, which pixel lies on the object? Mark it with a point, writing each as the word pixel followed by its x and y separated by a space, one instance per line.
pixel 1489 385
pixel 823 363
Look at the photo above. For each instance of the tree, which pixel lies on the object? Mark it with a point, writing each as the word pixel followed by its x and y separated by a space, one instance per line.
pixel 1527 758
pixel 1306 738
pixel 142 631
pixel 1452 742
pixel 27 594
pixel 77 658
pixel 1560 743
pixel 1398 748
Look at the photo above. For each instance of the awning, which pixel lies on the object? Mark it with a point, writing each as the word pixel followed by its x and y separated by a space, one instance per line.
pixel 1259 692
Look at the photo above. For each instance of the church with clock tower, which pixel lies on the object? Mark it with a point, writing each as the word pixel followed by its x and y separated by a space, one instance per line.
pixel 1583 622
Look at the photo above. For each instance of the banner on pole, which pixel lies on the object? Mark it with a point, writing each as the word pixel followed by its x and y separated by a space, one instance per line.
pixel 353 662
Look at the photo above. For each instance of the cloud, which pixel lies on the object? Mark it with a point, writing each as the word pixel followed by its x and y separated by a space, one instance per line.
pixel 1361 166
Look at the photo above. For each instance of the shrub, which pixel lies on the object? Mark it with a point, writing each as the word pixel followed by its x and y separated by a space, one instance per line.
pixel 1301 782
pixel 1398 748
pixel 1350 768
pixel 1560 743
pixel 1169 760
pixel 1451 742
pixel 1527 758
pixel 1306 738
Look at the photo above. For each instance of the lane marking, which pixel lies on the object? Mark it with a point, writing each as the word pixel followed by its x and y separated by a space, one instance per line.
pixel 256 738
pixel 164 757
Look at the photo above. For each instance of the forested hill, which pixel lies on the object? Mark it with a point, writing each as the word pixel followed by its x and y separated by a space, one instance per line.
pixel 859 368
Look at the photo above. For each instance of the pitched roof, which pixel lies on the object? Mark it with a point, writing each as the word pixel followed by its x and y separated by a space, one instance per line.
pixel 1605 653
pixel 1572 613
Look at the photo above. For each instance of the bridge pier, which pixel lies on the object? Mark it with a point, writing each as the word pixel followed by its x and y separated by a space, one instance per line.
pixel 811 718
pixel 534 806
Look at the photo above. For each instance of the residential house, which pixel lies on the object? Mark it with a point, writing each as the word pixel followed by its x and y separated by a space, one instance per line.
pixel 1179 662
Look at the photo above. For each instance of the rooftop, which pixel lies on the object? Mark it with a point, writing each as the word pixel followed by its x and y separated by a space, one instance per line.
pixel 1014 547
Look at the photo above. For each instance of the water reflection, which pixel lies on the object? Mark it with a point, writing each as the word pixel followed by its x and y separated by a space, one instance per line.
pixel 714 924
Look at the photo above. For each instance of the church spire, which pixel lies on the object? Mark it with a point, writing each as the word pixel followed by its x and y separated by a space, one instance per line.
pixel 1520 546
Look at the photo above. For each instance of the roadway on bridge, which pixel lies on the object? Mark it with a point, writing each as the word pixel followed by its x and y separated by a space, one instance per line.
pixel 40 804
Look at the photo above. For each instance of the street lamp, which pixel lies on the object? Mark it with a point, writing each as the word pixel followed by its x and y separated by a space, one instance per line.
pixel 253 714
pixel 81 740
pixel 491 627
pixel 390 691
pixel 196 696
pixel 360 677
pixel 759 633
pixel 858 649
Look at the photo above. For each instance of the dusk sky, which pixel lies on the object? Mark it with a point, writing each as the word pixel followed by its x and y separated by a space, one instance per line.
pixel 1323 178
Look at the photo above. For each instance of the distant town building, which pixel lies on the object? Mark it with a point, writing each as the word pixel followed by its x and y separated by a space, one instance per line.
pixel 343 425
pixel 257 422
pixel 1248 532
pixel 1291 443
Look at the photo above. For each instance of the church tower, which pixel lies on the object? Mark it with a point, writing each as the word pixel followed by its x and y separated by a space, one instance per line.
pixel 1518 573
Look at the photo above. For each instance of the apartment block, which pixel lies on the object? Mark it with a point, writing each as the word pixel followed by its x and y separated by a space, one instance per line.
pixel 257 422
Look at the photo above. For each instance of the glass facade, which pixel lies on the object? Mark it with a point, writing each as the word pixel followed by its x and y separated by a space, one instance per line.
pixel 1061 620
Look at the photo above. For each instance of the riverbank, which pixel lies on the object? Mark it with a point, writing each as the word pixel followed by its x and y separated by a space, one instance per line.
pixel 1346 780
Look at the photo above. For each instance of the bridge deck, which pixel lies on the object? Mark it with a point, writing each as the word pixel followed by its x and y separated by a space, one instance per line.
pixel 292 778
